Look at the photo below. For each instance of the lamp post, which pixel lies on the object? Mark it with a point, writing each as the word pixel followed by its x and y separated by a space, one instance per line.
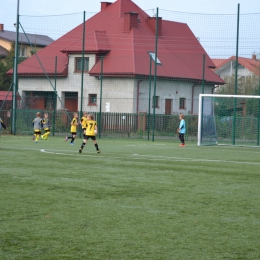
pixel 15 77
pixel 149 97
pixel 156 61
pixel 100 101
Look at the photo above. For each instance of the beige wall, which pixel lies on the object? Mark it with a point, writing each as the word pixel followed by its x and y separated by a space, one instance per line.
pixel 7 45
pixel 122 95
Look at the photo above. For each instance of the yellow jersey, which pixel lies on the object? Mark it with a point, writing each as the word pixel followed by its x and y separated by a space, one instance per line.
pixel 74 124
pixel 90 127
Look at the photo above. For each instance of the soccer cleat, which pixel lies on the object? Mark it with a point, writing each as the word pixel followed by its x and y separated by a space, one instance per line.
pixel 182 145
pixel 42 137
pixel 71 143
pixel 66 138
pixel 80 150
pixel 98 151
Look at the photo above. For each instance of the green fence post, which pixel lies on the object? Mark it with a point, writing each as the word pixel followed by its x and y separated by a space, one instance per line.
pixel 82 70
pixel 235 87
pixel 100 101
pixel 155 70
pixel 203 72
pixel 258 116
pixel 15 74
pixel 55 97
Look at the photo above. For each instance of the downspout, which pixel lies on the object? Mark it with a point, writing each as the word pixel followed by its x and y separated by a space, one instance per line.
pixel 137 97
pixel 214 89
pixel 192 97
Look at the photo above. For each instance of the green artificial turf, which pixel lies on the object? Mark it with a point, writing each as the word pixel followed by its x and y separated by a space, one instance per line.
pixel 137 199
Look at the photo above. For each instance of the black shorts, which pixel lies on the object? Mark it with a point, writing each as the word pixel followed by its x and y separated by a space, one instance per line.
pixel 73 133
pixel 37 132
pixel 93 137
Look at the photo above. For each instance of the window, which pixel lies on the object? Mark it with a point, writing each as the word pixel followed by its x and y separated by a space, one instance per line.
pixel 152 55
pixel 239 66
pixel 78 64
pixel 182 103
pixel 21 51
pixel 155 101
pixel 92 99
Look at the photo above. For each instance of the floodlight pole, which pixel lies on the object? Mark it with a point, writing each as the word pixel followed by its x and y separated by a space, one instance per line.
pixel 258 119
pixel 15 77
pixel 82 67
pixel 149 98
pixel 203 72
pixel 155 71
pixel 55 97
pixel 236 72
pixel 100 101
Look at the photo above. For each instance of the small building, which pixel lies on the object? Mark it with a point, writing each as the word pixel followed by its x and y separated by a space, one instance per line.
pixel 246 66
pixel 248 71
pixel 24 48
pixel 6 100
pixel 120 49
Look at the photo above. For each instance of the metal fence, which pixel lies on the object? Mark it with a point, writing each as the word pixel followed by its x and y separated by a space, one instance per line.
pixel 114 125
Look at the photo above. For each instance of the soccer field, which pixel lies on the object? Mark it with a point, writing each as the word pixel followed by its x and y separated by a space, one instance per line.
pixel 137 199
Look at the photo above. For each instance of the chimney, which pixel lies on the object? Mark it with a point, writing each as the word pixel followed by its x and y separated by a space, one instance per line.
pixel 104 5
pixel 152 23
pixel 130 21
pixel 1 27
pixel 253 57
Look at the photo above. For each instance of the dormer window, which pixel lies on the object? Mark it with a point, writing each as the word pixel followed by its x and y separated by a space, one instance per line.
pixel 78 64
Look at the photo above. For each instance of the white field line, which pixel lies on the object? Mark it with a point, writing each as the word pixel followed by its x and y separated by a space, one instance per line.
pixel 161 158
pixel 137 156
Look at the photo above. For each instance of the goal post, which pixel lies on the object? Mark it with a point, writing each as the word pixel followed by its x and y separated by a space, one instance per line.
pixel 228 119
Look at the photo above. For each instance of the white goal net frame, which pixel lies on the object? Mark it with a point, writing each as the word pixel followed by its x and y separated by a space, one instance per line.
pixel 207 119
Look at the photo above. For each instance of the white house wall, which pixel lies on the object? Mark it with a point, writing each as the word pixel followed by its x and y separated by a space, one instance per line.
pixel 229 69
pixel 174 91
pixel 124 95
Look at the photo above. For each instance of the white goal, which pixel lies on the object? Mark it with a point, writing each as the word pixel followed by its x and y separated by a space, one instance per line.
pixel 228 119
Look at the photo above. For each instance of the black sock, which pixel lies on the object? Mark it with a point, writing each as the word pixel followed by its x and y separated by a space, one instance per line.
pixel 82 145
pixel 96 145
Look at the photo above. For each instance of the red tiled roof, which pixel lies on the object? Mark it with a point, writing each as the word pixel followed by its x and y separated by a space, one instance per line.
pixel 217 62
pixel 126 52
pixel 5 95
pixel 251 64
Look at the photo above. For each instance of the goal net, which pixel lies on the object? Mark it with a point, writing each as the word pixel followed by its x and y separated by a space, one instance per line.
pixel 229 119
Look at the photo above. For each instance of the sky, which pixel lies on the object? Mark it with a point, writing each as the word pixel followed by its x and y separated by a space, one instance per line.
pixel 214 23
pixel 8 8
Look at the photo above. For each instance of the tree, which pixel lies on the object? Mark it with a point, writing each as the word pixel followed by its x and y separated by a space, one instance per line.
pixel 5 65
pixel 247 85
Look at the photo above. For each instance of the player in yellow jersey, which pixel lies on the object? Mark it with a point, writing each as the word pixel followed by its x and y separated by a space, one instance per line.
pixel 37 126
pixel 73 129
pixel 83 122
pixel 46 126
pixel 91 131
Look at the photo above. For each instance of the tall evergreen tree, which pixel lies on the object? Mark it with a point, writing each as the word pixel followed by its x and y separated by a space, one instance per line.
pixel 5 65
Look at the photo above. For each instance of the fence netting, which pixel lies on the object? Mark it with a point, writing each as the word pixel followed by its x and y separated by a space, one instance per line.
pixel 91 68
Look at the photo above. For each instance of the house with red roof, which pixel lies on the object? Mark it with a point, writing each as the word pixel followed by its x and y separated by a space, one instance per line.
pixel 119 44
pixel 6 100
pixel 246 66
pixel 24 42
